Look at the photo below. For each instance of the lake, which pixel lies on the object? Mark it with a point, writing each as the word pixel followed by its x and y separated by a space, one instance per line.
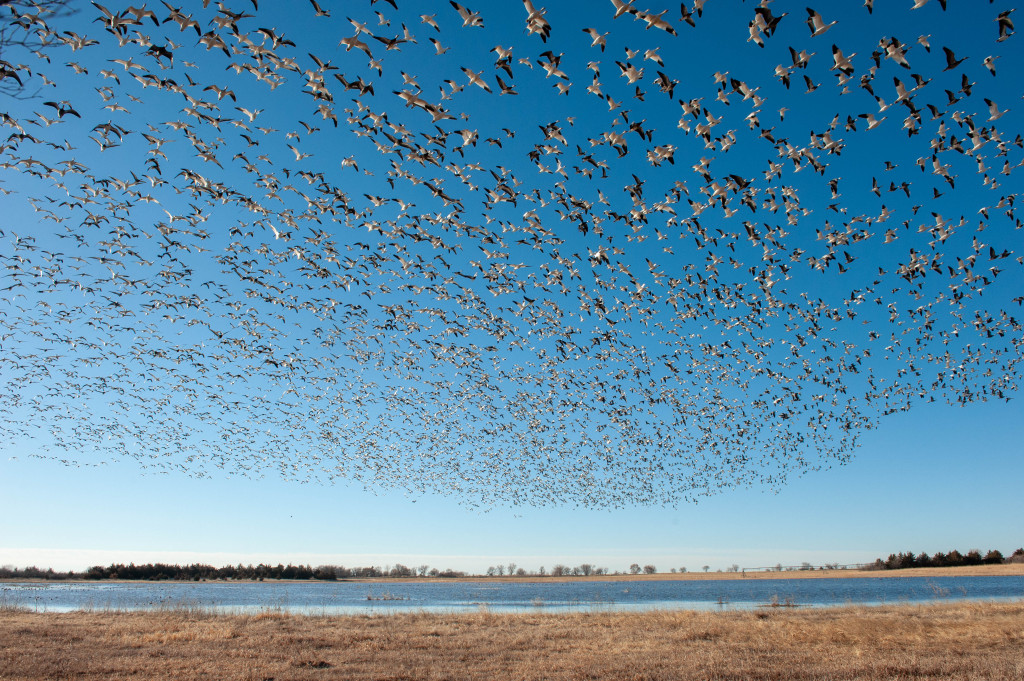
pixel 362 597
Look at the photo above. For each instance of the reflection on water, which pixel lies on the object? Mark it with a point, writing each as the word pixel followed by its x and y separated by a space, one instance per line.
pixel 354 597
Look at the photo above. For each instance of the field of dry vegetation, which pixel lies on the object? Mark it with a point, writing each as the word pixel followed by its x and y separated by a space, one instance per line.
pixel 935 641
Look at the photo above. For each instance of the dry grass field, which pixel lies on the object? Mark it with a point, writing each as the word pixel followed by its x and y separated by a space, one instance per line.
pixel 935 641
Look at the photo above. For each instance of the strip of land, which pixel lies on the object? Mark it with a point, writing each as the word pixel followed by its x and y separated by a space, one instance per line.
pixel 1002 570
pixel 967 640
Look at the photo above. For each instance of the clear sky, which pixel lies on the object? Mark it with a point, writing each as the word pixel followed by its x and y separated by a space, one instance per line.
pixel 931 480
pixel 439 333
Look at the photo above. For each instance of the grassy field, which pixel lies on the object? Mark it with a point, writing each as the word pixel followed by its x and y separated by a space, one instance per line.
pixel 936 641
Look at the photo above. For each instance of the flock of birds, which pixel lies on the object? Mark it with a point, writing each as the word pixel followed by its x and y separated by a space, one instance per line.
pixel 596 253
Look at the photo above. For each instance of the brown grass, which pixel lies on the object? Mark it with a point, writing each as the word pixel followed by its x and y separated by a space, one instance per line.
pixel 938 641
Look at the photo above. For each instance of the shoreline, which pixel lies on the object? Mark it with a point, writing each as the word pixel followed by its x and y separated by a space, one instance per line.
pixel 1001 570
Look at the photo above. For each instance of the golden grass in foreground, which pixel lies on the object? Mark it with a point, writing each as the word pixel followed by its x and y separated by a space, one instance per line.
pixel 941 641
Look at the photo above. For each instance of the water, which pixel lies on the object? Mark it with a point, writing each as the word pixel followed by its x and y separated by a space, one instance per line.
pixel 355 597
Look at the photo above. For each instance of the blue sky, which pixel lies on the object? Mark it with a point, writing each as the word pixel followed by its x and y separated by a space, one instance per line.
pixel 392 383
pixel 931 480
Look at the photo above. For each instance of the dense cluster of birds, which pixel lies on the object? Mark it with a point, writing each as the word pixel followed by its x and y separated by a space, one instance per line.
pixel 594 253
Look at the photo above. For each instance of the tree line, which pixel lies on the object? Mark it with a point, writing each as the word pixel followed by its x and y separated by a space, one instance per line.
pixel 559 570
pixel 899 561
pixel 198 572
